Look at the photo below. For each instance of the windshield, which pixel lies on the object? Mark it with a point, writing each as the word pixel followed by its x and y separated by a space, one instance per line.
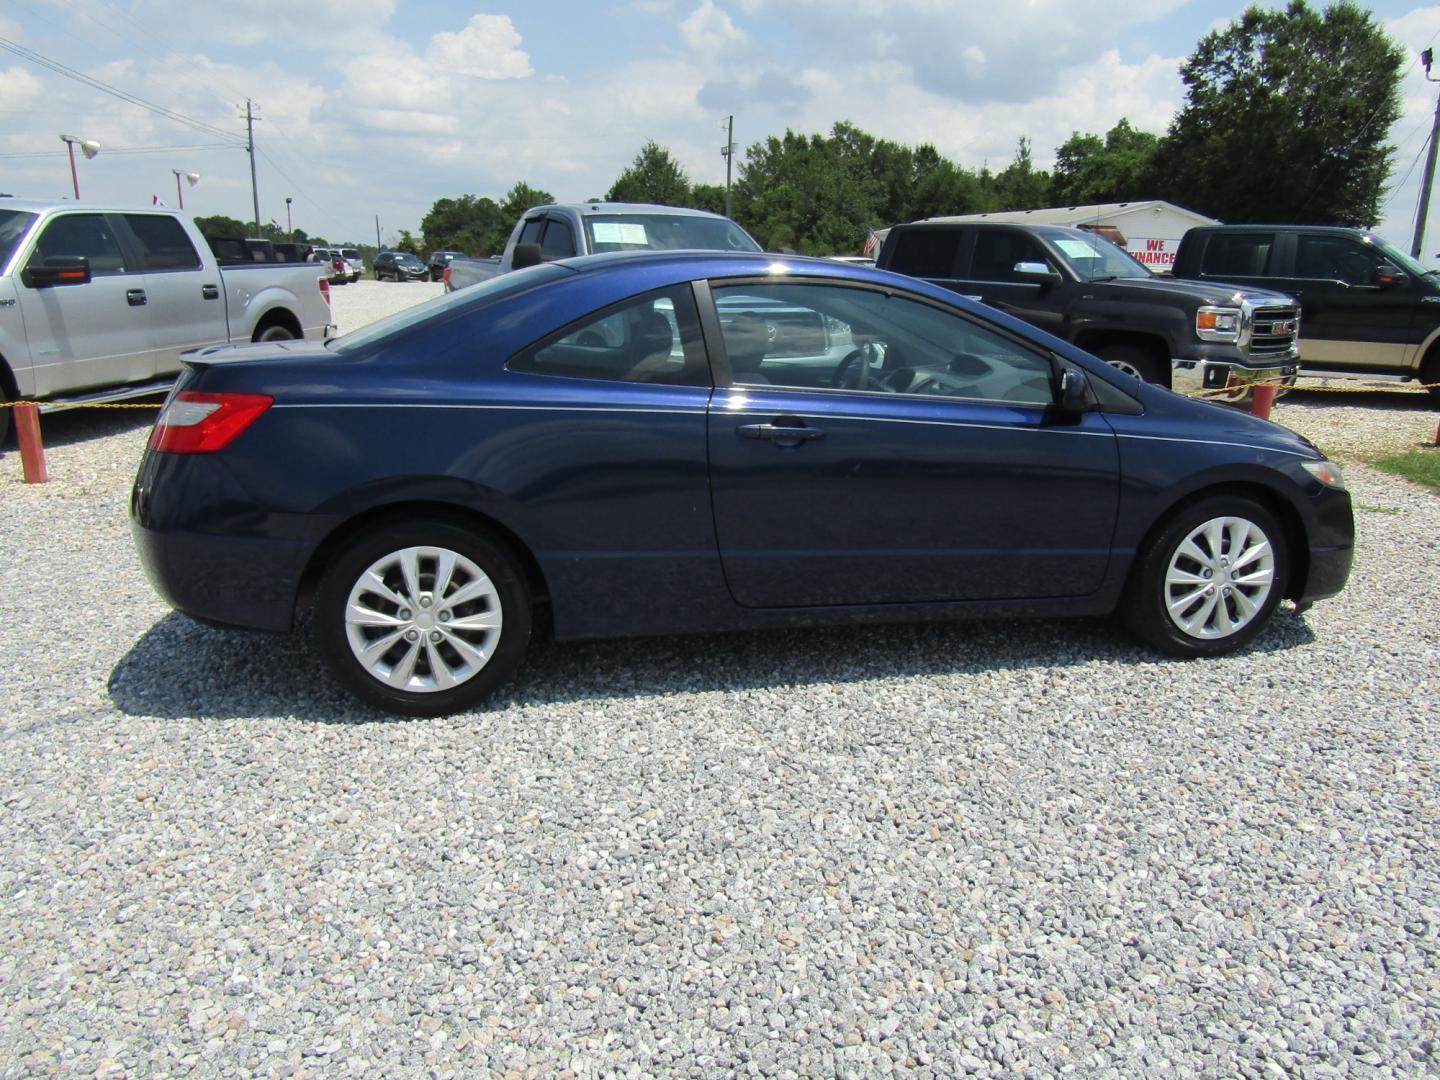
pixel 13 224
pixel 479 295
pixel 666 232
pixel 1096 259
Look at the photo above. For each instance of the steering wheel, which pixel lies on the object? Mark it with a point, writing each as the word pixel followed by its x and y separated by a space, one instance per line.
pixel 853 372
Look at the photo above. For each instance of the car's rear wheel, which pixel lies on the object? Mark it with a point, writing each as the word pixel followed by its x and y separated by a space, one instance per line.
pixel 1210 580
pixel 1134 361
pixel 423 619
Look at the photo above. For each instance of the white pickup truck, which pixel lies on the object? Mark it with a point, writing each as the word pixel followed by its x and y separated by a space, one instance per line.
pixel 97 303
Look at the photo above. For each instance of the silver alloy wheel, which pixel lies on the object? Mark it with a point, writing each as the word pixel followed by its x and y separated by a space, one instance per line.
pixel 423 619
pixel 1126 367
pixel 1219 578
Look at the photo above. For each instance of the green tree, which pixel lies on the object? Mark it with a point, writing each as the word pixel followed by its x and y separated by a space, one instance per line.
pixel 520 198
pixel 653 177
pixel 409 243
pixel 220 227
pixel 708 197
pixel 469 224
pixel 1117 168
pixel 941 188
pixel 1020 186
pixel 1286 118
pixel 798 192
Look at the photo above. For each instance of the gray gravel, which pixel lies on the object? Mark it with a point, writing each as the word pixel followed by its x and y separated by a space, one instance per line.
pixel 997 849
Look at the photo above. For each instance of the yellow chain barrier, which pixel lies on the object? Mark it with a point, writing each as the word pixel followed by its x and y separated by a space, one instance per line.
pixel 1409 388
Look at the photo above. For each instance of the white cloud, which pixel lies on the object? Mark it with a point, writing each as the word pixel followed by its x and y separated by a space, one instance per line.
pixel 336 27
pixel 487 48
pixel 709 29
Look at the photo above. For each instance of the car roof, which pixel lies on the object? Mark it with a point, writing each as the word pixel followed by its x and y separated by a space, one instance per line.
pixel 584 209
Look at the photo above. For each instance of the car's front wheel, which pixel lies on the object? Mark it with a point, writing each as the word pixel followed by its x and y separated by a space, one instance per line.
pixel 1210 580
pixel 423 619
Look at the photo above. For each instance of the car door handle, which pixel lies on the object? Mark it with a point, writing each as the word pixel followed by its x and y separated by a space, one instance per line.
pixel 135 297
pixel 782 434
pixel 210 292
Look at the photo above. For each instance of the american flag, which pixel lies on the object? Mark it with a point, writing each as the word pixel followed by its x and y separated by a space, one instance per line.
pixel 872 242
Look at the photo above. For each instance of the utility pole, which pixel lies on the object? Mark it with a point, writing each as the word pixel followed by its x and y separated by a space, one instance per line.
pixel 377 232
pixel 729 152
pixel 250 149
pixel 1425 58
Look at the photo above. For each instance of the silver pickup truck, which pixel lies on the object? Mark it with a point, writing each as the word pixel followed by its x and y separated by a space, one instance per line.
pixel 560 231
pixel 97 303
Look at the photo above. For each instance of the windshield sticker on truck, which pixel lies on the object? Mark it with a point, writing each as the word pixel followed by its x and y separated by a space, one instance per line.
pixel 619 232
pixel 1078 249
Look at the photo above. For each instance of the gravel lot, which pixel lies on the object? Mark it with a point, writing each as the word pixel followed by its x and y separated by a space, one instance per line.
pixel 1002 849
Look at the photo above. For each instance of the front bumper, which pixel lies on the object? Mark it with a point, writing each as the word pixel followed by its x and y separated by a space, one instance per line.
pixel 1192 375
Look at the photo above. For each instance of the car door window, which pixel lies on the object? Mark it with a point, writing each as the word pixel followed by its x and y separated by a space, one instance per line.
pixel 1238 255
pixel 650 338
pixel 559 242
pixel 530 231
pixel 999 251
pixel 926 252
pixel 89 235
pixel 1336 258
pixel 833 337
pixel 162 242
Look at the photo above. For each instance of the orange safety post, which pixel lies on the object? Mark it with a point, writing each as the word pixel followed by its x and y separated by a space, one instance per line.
pixel 1263 400
pixel 32 450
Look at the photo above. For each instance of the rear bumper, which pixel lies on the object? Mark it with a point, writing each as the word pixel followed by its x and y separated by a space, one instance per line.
pixel 247 583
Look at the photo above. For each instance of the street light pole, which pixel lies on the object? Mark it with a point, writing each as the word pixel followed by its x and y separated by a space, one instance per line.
pixel 88 147
pixel 192 178
pixel 289 229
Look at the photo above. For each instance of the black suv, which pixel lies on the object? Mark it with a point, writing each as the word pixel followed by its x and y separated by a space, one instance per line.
pixel 1365 305
pixel 439 260
pixel 1082 288
pixel 399 266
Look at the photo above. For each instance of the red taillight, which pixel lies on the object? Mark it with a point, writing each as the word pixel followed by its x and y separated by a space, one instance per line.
pixel 446 278
pixel 338 266
pixel 196 423
pixel 325 289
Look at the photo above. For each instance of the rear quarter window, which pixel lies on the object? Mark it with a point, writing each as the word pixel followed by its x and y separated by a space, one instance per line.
pixel 926 252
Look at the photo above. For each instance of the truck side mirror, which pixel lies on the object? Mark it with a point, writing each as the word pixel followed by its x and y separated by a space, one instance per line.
pixel 1037 273
pixel 56 270
pixel 525 255
pixel 1388 276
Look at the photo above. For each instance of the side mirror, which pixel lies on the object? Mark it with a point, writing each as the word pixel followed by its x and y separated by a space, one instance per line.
pixel 525 255
pixel 57 270
pixel 1388 276
pixel 1037 273
pixel 1074 391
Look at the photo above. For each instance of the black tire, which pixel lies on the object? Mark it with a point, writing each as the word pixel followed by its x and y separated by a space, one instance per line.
pixel 1133 360
pixel 274 332
pixel 508 595
pixel 1430 375
pixel 1144 608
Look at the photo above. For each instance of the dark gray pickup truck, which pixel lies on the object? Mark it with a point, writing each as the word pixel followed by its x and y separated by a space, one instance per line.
pixel 1185 334
pixel 1365 306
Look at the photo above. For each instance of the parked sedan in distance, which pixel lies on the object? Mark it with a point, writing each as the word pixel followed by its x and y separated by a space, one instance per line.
pixel 654 443
pixel 355 261
pixel 399 266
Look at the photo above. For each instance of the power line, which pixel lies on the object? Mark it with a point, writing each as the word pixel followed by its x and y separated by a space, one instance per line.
pixel 109 151
pixel 104 87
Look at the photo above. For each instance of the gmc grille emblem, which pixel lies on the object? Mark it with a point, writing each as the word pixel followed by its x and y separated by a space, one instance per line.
pixel 1283 326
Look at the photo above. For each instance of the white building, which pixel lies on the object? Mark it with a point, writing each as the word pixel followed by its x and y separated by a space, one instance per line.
pixel 1151 229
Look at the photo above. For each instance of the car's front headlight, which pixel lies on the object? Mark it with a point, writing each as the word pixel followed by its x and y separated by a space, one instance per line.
pixel 1327 472
pixel 1217 324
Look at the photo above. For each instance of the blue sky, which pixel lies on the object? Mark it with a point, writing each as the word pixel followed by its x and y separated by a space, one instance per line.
pixel 379 107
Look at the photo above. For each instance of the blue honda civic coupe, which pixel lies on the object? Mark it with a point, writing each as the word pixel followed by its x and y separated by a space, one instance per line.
pixel 654 443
